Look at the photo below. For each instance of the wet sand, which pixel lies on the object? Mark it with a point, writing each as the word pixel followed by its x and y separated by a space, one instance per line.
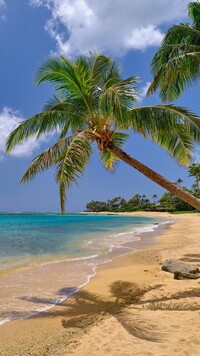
pixel 130 307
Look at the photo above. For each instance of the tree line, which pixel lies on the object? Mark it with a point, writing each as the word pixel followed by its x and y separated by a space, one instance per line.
pixel 167 202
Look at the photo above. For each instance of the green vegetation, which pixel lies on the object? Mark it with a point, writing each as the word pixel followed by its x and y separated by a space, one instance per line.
pixel 194 171
pixel 176 64
pixel 184 212
pixel 168 202
pixel 94 104
pixel 119 204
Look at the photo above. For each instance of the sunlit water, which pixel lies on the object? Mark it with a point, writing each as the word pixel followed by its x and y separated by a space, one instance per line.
pixel 46 258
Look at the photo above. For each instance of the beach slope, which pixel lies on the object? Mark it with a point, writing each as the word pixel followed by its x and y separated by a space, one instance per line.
pixel 130 307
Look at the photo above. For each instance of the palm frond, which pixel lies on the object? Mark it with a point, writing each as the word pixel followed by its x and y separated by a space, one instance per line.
pixel 57 102
pixel 45 160
pixel 117 97
pixel 181 34
pixel 63 196
pixel 75 116
pixel 194 12
pixel 177 74
pixel 173 128
pixel 82 68
pixel 44 122
pixel 109 160
pixel 67 76
pixel 176 64
pixel 102 69
pixel 99 66
pixel 178 143
pixel 72 162
pixel 69 156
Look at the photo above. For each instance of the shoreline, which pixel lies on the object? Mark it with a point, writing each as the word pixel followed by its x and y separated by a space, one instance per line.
pixel 119 287
pixel 130 241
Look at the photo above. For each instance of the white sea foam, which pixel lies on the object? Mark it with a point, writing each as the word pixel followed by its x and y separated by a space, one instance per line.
pixel 118 239
pixel 73 259
pixel 2 321
pixel 57 301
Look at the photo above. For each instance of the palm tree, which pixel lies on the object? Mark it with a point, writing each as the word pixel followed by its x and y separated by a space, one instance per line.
pixel 176 64
pixel 94 105
pixel 194 171
pixel 179 181
pixel 154 196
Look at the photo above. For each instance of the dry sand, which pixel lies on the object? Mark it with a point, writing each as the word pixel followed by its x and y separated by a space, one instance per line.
pixel 131 307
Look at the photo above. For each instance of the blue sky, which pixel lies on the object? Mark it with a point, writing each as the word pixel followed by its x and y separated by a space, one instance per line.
pixel 32 30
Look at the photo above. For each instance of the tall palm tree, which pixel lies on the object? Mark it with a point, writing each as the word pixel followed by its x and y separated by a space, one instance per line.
pixel 94 105
pixel 176 64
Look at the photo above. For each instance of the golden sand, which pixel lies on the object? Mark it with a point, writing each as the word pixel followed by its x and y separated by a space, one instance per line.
pixel 131 307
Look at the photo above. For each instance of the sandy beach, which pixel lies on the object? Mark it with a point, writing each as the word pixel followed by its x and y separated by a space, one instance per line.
pixel 130 307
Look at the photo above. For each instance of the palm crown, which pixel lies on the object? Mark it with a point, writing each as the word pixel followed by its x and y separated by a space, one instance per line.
pixel 94 104
pixel 194 171
pixel 176 64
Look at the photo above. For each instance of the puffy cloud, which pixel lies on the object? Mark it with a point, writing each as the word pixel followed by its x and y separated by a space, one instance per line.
pixel 144 37
pixel 8 120
pixel 112 25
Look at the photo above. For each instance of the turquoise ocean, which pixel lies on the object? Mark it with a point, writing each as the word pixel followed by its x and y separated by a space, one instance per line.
pixel 45 258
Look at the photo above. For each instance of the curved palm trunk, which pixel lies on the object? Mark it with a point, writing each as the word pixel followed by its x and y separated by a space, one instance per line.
pixel 155 177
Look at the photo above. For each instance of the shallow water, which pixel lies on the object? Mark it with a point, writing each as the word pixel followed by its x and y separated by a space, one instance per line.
pixel 46 258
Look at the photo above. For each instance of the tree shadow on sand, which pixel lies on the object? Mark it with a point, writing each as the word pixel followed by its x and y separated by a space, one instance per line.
pixel 95 308
pixel 87 309
pixel 62 295
pixel 176 301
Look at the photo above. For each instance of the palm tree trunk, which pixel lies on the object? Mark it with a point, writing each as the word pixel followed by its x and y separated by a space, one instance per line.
pixel 155 177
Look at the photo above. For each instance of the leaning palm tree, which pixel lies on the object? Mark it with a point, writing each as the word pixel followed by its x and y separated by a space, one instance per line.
pixel 94 105
pixel 176 64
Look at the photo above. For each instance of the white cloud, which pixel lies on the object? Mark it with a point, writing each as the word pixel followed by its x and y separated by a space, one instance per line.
pixel 144 37
pixel 2 2
pixel 8 120
pixel 112 25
